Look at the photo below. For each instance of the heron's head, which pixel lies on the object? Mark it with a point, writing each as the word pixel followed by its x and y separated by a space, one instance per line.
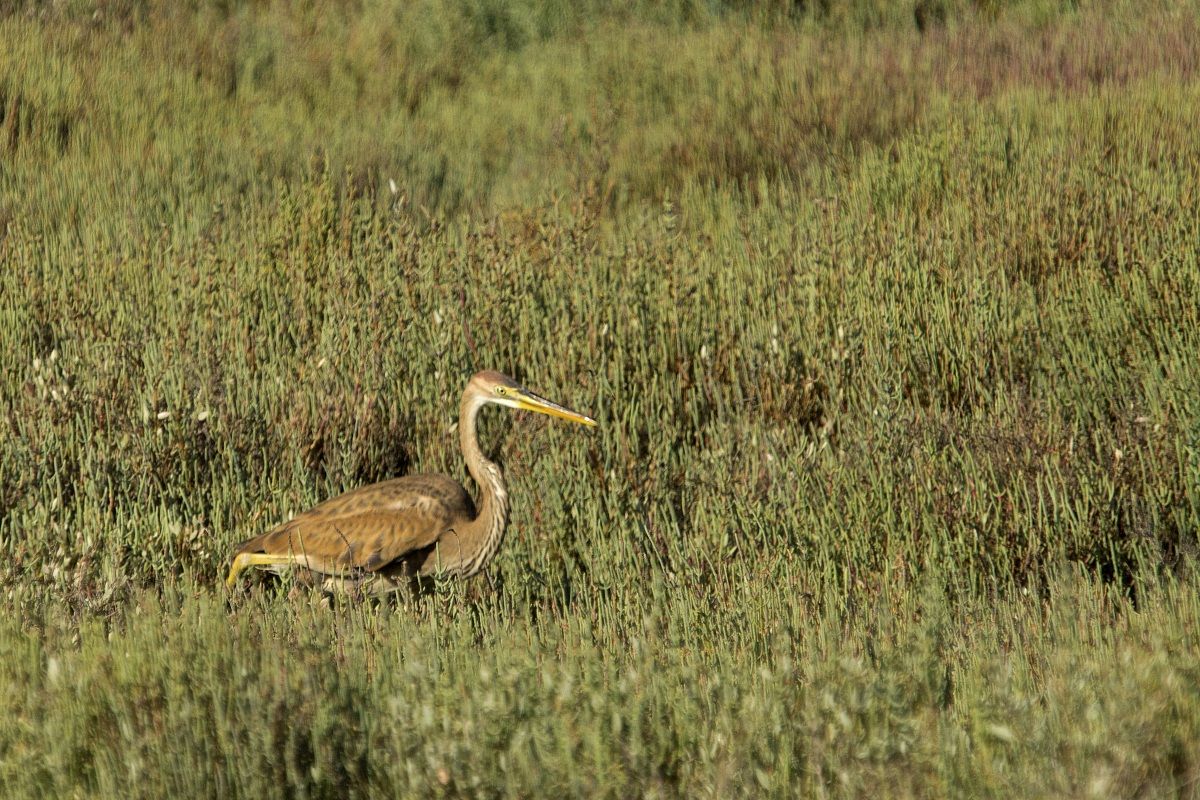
pixel 490 386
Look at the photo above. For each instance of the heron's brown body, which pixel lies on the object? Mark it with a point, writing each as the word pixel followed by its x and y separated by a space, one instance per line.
pixel 376 538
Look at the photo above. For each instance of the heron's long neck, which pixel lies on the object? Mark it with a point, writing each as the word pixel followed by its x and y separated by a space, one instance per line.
pixel 487 531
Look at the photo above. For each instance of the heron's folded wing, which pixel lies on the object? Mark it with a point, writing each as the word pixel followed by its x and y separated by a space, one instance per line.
pixel 368 540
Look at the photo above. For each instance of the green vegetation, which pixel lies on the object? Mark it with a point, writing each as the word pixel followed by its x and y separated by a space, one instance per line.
pixel 890 313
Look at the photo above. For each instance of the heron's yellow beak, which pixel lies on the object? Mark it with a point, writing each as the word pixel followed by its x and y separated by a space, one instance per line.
pixel 531 402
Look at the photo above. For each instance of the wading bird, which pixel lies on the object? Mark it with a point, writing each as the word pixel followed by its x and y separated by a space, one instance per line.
pixel 377 538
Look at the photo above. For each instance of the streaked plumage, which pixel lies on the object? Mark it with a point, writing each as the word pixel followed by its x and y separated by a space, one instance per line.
pixel 376 538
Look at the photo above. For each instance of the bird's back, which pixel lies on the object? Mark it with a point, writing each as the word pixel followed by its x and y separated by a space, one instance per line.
pixel 371 527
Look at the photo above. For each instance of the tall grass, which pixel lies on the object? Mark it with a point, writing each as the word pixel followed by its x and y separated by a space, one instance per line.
pixel 888 313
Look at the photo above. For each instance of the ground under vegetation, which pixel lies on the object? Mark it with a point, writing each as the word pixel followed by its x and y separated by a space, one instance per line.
pixel 890 314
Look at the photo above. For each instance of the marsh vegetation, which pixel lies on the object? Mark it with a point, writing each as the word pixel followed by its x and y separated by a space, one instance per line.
pixel 889 312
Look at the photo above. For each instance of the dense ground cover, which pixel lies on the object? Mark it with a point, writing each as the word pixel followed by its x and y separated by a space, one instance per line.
pixel 890 314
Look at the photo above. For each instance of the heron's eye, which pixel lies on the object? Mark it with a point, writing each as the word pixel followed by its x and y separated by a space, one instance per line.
pixel 500 390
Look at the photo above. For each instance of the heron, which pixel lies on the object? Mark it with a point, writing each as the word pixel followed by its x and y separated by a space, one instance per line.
pixel 377 538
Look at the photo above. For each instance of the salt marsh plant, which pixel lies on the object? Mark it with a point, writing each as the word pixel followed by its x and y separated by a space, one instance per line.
pixel 888 312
